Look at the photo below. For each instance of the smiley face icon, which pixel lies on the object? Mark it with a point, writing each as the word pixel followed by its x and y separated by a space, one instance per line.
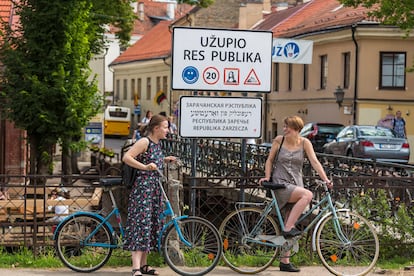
pixel 190 74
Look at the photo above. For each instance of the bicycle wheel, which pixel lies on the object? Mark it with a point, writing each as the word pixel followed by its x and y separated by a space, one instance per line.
pixel 240 254
pixel 203 254
pixel 358 255
pixel 75 252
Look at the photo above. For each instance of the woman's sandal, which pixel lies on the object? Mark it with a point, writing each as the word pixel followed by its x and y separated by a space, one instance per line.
pixel 136 270
pixel 146 269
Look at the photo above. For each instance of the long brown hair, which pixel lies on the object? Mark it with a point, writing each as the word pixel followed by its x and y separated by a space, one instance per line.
pixel 156 120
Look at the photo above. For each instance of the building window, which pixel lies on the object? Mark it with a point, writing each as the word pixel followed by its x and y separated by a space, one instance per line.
pixel 290 76
pixel 117 91
pixel 165 84
pixel 276 77
pixel 133 89
pixel 139 88
pixel 125 94
pixel 324 71
pixel 305 76
pixel 346 61
pixel 392 70
pixel 158 84
pixel 148 88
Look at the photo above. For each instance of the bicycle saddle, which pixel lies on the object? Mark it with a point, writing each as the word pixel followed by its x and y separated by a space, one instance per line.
pixel 273 186
pixel 111 181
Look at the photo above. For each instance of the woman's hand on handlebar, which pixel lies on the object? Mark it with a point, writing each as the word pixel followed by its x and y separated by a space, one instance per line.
pixel 329 184
pixel 151 167
pixel 264 179
pixel 170 159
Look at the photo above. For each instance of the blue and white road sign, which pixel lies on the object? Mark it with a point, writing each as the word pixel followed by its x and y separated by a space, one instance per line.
pixel 292 51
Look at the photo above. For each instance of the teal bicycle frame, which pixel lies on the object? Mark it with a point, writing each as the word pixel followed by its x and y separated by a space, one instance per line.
pixel 168 212
pixel 325 205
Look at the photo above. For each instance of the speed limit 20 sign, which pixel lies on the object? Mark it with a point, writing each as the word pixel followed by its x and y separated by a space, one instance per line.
pixel 211 75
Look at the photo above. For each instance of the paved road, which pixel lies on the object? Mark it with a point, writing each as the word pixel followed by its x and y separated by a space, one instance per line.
pixel 218 271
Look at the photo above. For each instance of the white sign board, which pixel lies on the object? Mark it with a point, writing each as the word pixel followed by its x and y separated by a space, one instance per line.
pixel 221 60
pixel 292 51
pixel 228 117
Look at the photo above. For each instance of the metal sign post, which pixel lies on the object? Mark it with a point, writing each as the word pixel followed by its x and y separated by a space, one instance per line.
pixel 221 60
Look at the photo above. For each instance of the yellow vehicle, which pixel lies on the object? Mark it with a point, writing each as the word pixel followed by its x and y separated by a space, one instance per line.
pixel 117 120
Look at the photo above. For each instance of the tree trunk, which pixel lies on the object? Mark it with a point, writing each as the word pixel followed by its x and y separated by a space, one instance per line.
pixel 66 162
pixel 40 160
pixel 74 159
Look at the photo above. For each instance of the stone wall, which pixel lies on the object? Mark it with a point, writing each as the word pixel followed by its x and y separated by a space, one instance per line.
pixel 222 14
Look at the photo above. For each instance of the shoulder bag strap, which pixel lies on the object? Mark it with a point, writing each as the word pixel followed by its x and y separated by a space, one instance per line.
pixel 278 151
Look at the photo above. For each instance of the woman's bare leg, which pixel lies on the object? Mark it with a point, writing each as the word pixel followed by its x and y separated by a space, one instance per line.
pixel 301 197
pixel 137 258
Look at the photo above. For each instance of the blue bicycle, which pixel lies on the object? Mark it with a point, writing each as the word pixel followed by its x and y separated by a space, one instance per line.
pixel 84 241
pixel 346 243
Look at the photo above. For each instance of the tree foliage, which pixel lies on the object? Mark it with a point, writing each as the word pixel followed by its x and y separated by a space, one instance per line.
pixel 46 87
pixel 117 13
pixel 391 12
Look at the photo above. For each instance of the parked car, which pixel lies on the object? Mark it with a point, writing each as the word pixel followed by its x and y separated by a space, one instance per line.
pixel 320 133
pixel 370 142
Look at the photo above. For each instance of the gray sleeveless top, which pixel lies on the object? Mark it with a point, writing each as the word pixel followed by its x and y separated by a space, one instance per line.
pixel 288 170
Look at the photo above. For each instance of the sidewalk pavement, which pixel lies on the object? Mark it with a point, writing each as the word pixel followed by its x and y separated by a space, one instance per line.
pixel 166 271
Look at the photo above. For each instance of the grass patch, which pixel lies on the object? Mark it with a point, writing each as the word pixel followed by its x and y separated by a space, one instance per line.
pixel 396 262
pixel 46 258
pixel 23 257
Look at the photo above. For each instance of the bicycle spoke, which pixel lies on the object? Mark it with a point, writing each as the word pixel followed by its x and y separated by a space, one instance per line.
pixel 244 253
pixel 201 256
pixel 77 253
pixel 357 254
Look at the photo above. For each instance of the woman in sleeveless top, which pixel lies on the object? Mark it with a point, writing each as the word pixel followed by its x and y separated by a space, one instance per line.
pixel 287 169
pixel 145 200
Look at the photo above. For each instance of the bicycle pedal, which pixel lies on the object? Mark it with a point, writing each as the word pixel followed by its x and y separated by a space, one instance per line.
pixel 290 245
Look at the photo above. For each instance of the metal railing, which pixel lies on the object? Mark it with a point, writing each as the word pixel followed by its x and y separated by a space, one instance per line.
pixel 225 172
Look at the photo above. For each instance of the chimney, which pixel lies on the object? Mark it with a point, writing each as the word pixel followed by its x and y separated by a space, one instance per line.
pixel 141 11
pixel 171 10
pixel 134 6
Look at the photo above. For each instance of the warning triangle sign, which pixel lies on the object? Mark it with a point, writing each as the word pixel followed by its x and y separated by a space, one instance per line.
pixel 252 78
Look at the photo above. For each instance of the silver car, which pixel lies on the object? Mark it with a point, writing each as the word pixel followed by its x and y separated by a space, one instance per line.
pixel 370 142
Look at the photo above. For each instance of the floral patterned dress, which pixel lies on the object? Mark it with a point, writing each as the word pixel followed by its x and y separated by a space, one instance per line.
pixel 145 204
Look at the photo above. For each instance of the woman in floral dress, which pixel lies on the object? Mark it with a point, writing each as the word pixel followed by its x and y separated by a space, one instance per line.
pixel 145 200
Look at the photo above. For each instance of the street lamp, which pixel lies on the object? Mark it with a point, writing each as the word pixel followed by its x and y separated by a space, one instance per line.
pixel 339 95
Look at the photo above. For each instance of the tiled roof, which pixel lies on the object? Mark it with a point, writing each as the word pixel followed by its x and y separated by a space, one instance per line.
pixel 271 20
pixel 318 15
pixel 155 44
pixel 315 15
pixel 154 12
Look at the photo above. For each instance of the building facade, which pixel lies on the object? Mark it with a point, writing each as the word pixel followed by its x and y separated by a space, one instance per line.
pixel 366 60
pixel 351 51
